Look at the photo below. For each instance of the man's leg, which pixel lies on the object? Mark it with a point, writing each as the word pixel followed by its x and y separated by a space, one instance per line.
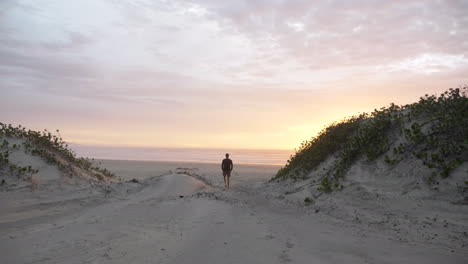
pixel 224 181
pixel 229 177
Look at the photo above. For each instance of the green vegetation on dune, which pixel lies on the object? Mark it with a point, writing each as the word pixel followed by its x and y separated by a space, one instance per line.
pixel 49 147
pixel 14 169
pixel 433 130
pixel 312 153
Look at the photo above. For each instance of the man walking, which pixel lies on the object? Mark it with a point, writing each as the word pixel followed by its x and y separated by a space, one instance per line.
pixel 227 167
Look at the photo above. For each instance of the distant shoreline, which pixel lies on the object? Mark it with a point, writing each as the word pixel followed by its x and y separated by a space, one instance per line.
pixel 187 162
pixel 190 155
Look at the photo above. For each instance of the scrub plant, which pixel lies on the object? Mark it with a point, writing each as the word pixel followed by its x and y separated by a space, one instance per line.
pixel 434 130
pixel 438 134
pixel 46 145
pixel 313 152
pixel 7 165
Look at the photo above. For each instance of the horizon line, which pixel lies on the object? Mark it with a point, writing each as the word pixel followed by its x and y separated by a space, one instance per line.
pixel 172 147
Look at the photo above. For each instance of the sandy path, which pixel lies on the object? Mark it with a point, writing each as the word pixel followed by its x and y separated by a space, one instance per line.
pixel 152 223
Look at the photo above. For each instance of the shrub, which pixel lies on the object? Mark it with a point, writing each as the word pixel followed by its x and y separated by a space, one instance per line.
pixel 47 146
pixel 434 130
pixel 312 153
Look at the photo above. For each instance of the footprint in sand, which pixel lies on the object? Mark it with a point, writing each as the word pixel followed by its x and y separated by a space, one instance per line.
pixel 267 237
pixel 284 256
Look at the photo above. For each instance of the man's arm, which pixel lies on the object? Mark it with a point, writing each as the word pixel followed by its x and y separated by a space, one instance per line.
pixel 232 165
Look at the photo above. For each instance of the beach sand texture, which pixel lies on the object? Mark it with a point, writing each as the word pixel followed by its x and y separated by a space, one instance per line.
pixel 179 213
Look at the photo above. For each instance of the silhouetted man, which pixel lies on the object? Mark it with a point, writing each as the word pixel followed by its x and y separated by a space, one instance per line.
pixel 227 167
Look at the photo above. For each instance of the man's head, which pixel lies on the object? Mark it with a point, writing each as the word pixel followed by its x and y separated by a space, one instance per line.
pixel 227 155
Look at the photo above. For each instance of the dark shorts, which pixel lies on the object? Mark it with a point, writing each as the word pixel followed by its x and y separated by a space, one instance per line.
pixel 226 173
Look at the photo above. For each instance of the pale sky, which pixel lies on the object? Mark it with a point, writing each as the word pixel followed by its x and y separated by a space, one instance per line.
pixel 209 73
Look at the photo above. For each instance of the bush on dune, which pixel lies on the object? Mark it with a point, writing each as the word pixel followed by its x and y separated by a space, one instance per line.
pixel 312 153
pixel 434 130
pixel 49 147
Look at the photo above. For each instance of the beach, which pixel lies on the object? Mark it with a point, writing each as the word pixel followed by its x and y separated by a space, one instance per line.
pixel 345 123
pixel 176 212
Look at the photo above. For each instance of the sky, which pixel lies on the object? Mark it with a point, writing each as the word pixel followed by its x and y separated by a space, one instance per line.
pixel 240 74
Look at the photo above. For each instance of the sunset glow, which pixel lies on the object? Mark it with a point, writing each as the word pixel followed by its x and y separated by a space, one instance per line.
pixel 234 74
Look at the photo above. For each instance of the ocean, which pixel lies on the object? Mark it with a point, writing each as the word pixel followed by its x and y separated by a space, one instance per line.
pixel 204 155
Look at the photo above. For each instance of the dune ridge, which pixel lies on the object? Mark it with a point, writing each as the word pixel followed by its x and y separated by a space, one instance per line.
pixel 38 157
pixel 404 169
pixel 431 134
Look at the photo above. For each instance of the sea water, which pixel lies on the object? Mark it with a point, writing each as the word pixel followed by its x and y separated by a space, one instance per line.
pixel 205 155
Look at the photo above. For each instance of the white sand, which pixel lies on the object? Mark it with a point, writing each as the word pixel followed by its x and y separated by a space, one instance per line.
pixel 149 222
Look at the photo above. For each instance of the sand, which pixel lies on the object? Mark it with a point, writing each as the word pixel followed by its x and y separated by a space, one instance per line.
pixel 179 213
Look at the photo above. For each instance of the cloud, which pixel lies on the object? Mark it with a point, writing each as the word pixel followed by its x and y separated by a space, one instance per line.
pixel 75 41
pixel 429 63
pixel 296 26
pixel 249 41
pixel 350 33
pixel 266 63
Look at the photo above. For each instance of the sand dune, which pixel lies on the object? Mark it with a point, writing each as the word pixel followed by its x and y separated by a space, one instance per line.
pixel 184 216
pixel 59 208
